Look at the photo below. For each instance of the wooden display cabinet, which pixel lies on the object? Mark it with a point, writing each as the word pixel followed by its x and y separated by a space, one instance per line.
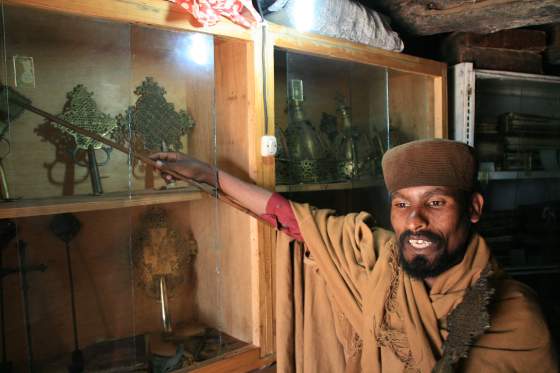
pixel 229 82
pixel 224 296
pixel 512 121
pixel 392 98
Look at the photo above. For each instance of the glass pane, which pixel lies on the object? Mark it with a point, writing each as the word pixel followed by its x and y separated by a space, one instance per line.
pixel 411 107
pixel 148 279
pixel 172 79
pixel 517 139
pixel 331 119
pixel 517 124
pixel 332 124
pixel 76 69
pixel 70 300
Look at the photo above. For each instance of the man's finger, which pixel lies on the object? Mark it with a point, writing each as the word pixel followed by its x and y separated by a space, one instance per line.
pixel 164 156
pixel 156 156
pixel 167 178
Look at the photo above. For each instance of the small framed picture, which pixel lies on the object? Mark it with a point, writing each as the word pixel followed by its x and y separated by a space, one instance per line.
pixel 24 72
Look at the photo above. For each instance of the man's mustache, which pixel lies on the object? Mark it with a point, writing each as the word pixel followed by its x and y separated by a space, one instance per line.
pixel 425 234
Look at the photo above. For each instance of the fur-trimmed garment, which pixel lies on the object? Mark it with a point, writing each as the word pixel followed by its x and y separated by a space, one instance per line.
pixel 344 305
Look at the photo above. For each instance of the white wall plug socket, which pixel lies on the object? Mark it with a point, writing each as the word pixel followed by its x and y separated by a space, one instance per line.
pixel 268 146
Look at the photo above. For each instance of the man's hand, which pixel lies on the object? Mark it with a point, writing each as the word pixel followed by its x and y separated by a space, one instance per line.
pixel 248 195
pixel 187 166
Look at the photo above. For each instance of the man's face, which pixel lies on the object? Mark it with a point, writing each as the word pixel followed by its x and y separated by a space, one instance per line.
pixel 432 225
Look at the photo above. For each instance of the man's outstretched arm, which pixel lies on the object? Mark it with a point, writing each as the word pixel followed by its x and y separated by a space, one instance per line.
pixel 248 195
pixel 271 206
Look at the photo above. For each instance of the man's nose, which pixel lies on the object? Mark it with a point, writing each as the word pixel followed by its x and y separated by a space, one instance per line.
pixel 416 220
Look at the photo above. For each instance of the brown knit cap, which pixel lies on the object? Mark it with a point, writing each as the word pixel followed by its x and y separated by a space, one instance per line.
pixel 435 162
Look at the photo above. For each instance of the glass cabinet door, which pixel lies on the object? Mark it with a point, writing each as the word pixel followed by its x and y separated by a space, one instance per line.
pixel 105 267
pixel 331 121
pixel 334 121
pixel 517 138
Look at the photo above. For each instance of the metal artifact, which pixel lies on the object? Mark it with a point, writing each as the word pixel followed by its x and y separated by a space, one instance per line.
pixel 81 110
pixel 153 123
pixel 354 150
pixel 66 227
pixel 161 257
pixel 23 269
pixel 282 165
pixel 328 126
pixel 208 189
pixel 309 156
pixel 519 141
pixel 7 234
pixel 6 117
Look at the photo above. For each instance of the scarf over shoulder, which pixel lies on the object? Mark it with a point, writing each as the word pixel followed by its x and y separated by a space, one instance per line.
pixel 344 305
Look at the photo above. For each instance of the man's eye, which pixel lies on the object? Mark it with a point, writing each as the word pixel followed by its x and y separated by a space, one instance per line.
pixel 436 203
pixel 400 205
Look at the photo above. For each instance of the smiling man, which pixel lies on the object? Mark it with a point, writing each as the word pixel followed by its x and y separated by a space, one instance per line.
pixel 432 226
pixel 427 297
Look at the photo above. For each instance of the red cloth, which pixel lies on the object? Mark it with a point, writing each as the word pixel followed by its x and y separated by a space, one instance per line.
pixel 279 213
pixel 208 12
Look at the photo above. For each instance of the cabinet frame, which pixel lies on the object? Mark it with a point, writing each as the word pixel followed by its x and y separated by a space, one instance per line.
pixel 237 44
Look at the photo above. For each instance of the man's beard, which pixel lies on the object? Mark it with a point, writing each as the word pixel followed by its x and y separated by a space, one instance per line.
pixel 419 267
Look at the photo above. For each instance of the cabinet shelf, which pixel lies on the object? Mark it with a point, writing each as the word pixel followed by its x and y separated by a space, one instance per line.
pixel 533 269
pixel 516 175
pixel 56 205
pixel 365 183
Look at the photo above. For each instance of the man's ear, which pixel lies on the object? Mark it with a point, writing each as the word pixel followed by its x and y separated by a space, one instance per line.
pixel 475 208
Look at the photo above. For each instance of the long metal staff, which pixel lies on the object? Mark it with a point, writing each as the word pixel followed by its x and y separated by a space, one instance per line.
pixel 20 100
pixel 65 227
pixel 22 251
pixel 7 234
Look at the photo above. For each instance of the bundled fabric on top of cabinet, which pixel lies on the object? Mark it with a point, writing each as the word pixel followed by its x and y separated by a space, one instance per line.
pixel 208 12
pixel 344 19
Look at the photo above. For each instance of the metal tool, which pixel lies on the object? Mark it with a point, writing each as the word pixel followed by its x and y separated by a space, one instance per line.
pixel 7 234
pixel 9 113
pixel 22 254
pixel 165 314
pixel 18 99
pixel 153 120
pixel 66 227
pixel 161 256
pixel 354 149
pixel 310 158
pixel 81 110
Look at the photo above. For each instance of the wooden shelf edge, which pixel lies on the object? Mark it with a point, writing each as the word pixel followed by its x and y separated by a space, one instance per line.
pixel 533 269
pixel 157 13
pixel 311 43
pixel 510 75
pixel 516 175
pixel 329 186
pixel 238 361
pixel 48 206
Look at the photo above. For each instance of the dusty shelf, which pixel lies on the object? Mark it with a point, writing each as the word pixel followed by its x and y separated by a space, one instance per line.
pixel 533 269
pixel 45 206
pixel 516 175
pixel 366 183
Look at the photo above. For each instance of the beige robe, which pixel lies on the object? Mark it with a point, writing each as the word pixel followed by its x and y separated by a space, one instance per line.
pixel 344 305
